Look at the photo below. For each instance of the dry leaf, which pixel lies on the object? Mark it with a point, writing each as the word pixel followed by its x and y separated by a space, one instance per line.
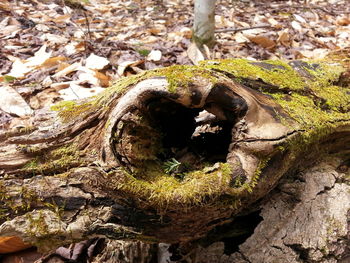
pixel 87 76
pixel 296 26
pixel 343 21
pixel 13 103
pixel 157 30
pixel 186 32
pixel 194 54
pixel 60 85
pixel 75 91
pixel 44 98
pixel 47 82
pixel 62 66
pixel 62 18
pixel 123 65
pixel 39 57
pixel 71 48
pixel 207 52
pixel 240 38
pixel 284 38
pixel 54 39
pixel 242 24
pixel 262 41
pixel 104 80
pixel 273 22
pixel 20 68
pixel 42 28
pixel 96 62
pixel 67 70
pixel 154 55
pixel 299 18
pixel 317 53
pixel 54 61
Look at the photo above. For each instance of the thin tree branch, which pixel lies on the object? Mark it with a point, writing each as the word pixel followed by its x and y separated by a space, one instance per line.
pixel 232 29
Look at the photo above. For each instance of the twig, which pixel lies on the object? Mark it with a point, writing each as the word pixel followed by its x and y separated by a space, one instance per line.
pixel 232 29
pixel 87 35
pixel 87 24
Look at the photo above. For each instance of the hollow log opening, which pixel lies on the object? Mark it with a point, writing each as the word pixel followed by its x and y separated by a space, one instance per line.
pixel 187 136
pixel 179 137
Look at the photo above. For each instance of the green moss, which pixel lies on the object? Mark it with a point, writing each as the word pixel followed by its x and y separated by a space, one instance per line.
pixel 313 101
pixel 37 224
pixel 41 233
pixel 310 100
pixel 182 76
pixel 282 75
pixel 61 158
pixel 31 164
pixel 71 110
pixel 16 199
pixel 255 179
pixel 20 131
pixel 163 190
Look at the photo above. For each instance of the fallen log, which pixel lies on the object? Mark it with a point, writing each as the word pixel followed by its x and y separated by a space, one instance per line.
pixel 169 154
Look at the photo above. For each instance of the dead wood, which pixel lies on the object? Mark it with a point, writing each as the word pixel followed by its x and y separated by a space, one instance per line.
pixel 170 154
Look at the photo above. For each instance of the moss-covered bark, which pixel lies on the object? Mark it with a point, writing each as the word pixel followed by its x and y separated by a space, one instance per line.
pixel 171 153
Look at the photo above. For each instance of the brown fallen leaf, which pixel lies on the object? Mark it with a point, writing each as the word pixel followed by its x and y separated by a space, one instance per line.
pixel 104 80
pixel 62 18
pixel 54 61
pixel 65 71
pixel 343 21
pixel 62 66
pixel 262 41
pixel 284 38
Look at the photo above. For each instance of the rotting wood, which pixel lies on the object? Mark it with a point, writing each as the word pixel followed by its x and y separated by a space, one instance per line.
pixel 167 155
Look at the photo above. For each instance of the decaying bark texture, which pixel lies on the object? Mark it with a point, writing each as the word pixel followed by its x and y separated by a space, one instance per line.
pixel 306 218
pixel 170 154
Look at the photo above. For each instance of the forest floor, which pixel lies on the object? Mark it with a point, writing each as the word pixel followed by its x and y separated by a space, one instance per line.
pixel 71 49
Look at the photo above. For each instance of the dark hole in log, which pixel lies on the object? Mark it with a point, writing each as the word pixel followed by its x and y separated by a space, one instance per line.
pixel 188 139
pixel 244 226
pixel 233 234
pixel 164 131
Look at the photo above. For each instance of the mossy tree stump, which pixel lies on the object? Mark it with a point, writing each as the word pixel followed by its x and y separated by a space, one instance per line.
pixel 168 155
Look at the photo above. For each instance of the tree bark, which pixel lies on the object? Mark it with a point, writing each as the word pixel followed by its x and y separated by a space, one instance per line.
pixel 204 22
pixel 171 154
pixel 305 219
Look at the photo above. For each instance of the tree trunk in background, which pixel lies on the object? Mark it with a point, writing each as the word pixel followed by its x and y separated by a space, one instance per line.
pixel 204 22
pixel 184 155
